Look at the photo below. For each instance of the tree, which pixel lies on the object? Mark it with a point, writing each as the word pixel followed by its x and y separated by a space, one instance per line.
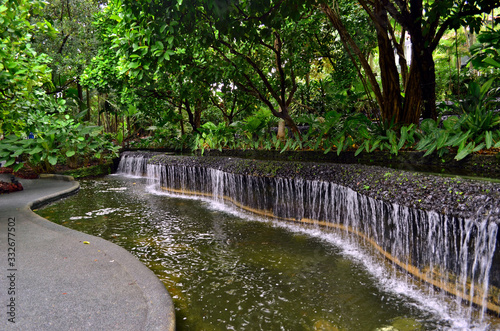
pixel 26 107
pixel 147 61
pixel 258 40
pixel 425 22
pixel 263 42
pixel 72 47
pixel 22 69
pixel 231 102
pixel 264 46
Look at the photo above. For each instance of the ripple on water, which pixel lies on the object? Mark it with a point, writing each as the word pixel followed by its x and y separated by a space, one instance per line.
pixel 235 272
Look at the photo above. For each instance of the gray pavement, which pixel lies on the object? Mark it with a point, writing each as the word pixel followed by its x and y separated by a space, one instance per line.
pixel 55 278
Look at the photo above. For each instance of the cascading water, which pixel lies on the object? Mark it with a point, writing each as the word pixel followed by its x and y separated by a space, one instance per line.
pixel 451 253
pixel 133 164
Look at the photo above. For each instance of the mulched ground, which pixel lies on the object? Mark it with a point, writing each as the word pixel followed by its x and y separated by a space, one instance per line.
pixel 25 172
pixel 8 187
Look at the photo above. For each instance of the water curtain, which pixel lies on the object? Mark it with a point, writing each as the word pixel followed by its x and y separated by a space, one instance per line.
pixel 453 254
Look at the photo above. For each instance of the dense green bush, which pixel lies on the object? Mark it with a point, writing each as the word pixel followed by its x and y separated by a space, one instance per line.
pixel 56 138
pixel 476 127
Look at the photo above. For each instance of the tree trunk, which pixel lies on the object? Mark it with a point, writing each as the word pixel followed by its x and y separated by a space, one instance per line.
pixel 181 119
pixel 413 96
pixel 197 113
pixel 308 89
pixel 123 135
pixel 281 130
pixel 351 47
pixel 193 119
pixel 108 122
pixel 428 86
pixel 420 94
pixel 99 109
pixel 391 106
pixel 129 127
pixel 80 96
pixel 288 120
pixel 89 109
pixel 424 63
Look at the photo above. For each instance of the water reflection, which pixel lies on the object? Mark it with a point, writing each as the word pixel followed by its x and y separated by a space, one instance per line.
pixel 230 273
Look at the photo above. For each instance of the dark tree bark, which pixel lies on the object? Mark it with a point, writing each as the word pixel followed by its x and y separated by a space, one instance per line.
pixel 391 106
pixel 426 30
pixel 352 48
pixel 181 118
pixel 80 95
pixel 427 83
pixel 89 109
pixel 194 117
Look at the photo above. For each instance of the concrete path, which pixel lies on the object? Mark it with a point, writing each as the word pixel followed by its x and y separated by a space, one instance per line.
pixel 55 278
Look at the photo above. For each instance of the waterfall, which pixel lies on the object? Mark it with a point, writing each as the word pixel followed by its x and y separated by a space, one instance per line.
pixel 133 164
pixel 447 252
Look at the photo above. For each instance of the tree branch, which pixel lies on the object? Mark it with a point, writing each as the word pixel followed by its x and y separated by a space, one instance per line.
pixel 63 43
pixel 258 18
pixel 402 16
pixel 256 68
pixel 351 47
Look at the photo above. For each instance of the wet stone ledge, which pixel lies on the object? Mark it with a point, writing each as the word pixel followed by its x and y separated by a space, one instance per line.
pixel 453 196
pixel 479 165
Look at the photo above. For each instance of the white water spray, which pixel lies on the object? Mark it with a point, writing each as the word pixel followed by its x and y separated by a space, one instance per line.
pixel 444 251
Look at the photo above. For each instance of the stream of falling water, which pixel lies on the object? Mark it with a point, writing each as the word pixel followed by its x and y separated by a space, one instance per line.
pixel 250 272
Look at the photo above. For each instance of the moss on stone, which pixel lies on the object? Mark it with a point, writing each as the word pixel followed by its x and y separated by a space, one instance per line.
pixel 92 171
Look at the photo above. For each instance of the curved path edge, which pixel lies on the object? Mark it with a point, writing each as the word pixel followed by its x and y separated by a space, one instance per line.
pixel 62 279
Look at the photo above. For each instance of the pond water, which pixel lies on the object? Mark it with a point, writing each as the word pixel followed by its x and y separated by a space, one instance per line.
pixel 230 271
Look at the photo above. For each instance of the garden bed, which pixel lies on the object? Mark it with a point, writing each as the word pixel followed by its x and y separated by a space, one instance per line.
pixel 9 187
pixel 91 170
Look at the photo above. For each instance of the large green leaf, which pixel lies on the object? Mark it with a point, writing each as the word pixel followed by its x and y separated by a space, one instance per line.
pixel 52 159
pixel 462 153
pixel 9 162
pixel 36 150
pixel 486 87
pixel 488 138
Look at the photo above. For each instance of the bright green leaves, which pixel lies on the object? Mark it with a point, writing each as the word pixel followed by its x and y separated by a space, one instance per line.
pixel 157 48
pixel 478 128
pixel 142 35
pixel 57 138
pixel 21 67
pixel 486 52
pixel 115 17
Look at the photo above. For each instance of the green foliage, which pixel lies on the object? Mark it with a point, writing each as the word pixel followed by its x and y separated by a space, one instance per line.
pixel 255 125
pixel 57 139
pixel 385 137
pixel 486 52
pixel 216 136
pixel 218 63
pixel 22 69
pixel 74 45
pixel 478 128
pixel 166 136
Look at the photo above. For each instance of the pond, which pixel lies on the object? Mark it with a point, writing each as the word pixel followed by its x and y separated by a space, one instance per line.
pixel 229 271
